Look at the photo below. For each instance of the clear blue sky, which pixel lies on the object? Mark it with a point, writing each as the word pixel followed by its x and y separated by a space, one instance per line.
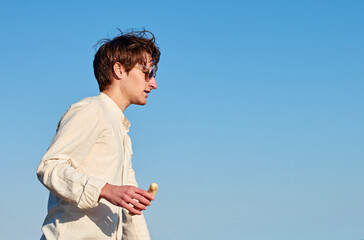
pixel 255 132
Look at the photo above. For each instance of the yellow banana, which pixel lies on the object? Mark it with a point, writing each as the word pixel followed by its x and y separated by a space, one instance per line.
pixel 153 188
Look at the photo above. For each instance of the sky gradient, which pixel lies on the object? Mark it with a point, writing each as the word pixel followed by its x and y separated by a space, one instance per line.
pixel 255 131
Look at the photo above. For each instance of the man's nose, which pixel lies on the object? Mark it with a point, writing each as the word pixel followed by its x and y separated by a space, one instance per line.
pixel 153 83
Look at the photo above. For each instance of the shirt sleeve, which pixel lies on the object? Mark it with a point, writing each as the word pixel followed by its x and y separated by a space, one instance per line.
pixel 134 227
pixel 76 134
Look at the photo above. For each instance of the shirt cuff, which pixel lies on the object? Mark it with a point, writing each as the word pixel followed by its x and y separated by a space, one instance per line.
pixel 91 193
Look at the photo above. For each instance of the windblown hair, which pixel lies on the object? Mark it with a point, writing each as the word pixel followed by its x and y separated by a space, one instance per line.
pixel 128 49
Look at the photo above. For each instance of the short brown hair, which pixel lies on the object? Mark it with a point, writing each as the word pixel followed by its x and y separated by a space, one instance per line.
pixel 128 49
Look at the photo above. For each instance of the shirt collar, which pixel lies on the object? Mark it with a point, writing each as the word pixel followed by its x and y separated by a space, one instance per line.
pixel 115 109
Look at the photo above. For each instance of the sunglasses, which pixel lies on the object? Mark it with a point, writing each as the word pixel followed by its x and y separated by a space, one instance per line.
pixel 152 71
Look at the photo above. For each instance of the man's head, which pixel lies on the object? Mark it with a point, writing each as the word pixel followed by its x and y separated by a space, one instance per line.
pixel 128 49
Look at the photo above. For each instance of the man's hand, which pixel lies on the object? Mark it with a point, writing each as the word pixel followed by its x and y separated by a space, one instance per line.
pixel 123 196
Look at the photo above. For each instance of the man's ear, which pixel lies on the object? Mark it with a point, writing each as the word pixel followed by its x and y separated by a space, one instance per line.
pixel 118 70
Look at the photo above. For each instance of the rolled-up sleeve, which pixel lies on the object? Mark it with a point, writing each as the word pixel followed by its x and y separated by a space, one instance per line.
pixel 77 132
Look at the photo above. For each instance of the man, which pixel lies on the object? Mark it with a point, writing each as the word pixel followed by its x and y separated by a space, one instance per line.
pixel 87 168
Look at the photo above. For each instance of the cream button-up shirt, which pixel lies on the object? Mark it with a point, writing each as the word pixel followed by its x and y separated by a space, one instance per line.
pixel 91 148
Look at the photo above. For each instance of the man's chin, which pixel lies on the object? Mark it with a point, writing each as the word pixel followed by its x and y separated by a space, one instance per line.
pixel 141 103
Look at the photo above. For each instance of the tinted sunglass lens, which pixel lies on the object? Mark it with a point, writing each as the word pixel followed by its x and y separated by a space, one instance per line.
pixel 151 74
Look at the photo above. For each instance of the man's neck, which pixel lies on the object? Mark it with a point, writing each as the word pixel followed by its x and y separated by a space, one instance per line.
pixel 117 97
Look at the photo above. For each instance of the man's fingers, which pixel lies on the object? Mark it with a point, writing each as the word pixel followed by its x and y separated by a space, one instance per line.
pixel 132 205
pixel 135 203
pixel 130 208
pixel 138 205
pixel 133 199
pixel 145 194
pixel 141 196
pixel 141 199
